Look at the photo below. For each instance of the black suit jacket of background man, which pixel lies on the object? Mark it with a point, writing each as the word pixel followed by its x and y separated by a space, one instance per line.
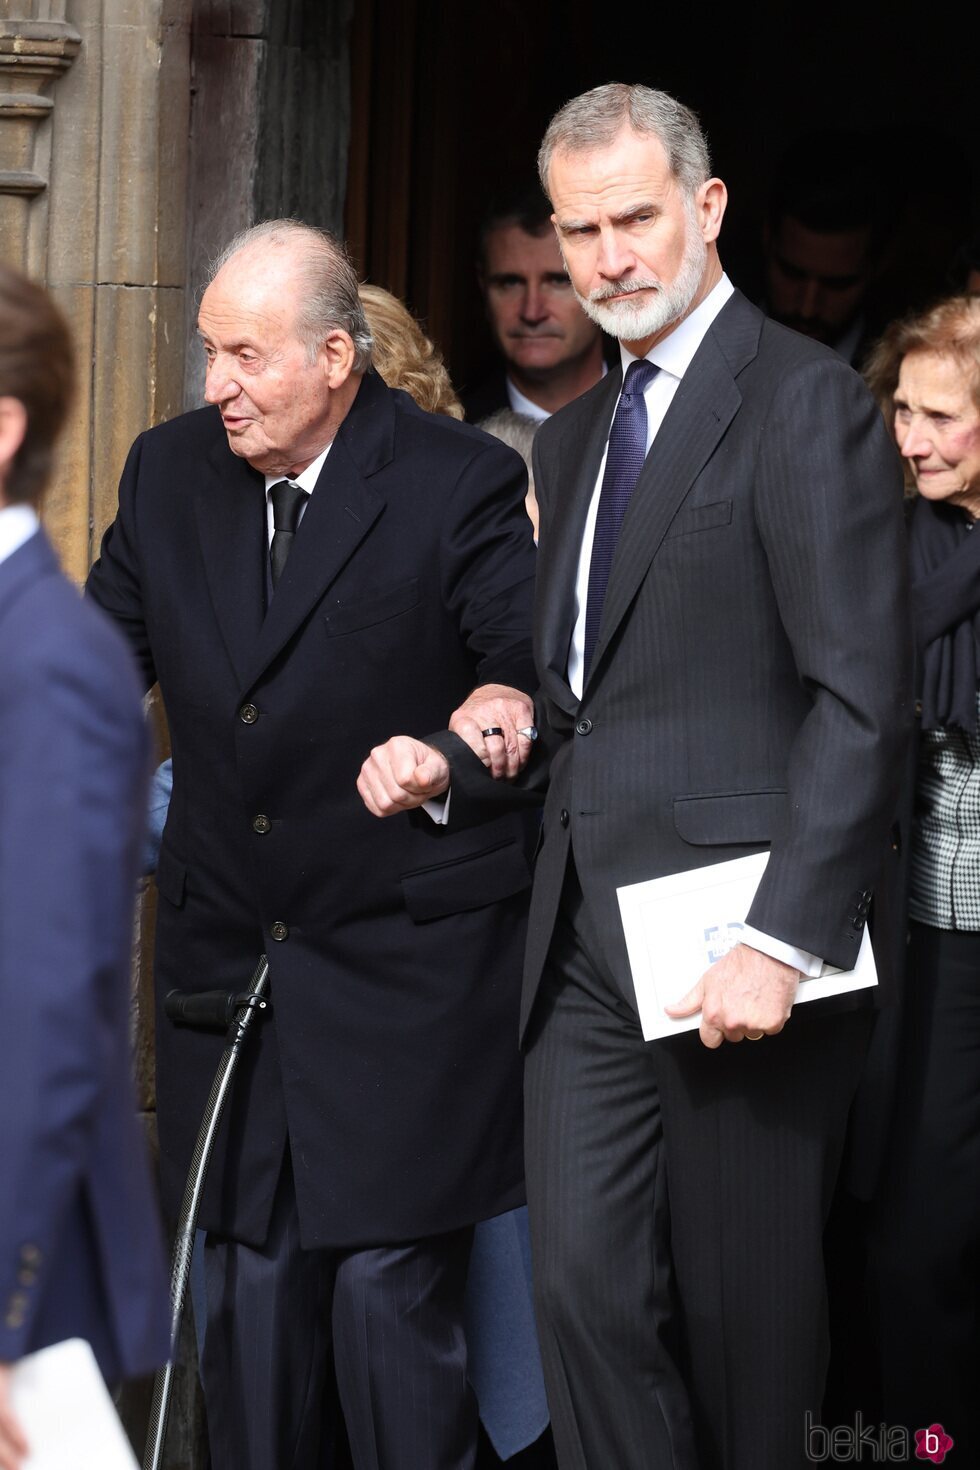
pixel 394 948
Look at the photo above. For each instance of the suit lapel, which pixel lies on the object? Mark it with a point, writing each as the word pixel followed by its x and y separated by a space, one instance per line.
pixel 703 407
pixel 582 448
pixel 341 512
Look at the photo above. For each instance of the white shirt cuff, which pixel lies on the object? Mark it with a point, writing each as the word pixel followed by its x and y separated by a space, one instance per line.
pixel 437 808
pixel 801 959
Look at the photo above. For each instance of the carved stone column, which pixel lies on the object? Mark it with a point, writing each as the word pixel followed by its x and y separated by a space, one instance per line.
pixel 33 55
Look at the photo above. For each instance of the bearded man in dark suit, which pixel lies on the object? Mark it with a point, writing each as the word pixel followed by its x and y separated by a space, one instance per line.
pixel 722 648
pixel 299 563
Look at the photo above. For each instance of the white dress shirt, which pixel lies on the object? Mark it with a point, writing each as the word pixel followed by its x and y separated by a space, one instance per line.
pixel 18 523
pixel 673 356
pixel 520 404
pixel 523 405
pixel 307 480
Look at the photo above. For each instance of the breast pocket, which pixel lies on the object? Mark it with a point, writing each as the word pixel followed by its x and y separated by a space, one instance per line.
pixel 367 612
pixel 700 518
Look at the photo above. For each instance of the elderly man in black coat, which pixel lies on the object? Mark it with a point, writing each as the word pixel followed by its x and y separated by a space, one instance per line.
pixel 302 564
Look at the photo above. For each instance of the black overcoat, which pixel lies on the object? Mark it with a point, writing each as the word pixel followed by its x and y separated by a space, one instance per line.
pixel 394 947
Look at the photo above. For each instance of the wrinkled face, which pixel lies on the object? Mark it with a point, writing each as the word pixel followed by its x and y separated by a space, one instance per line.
pixel 937 426
pixel 816 281
pixel 634 241
pixel 275 403
pixel 536 320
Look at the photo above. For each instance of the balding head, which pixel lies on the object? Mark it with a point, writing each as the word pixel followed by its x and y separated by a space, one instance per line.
pixel 321 268
pixel 286 343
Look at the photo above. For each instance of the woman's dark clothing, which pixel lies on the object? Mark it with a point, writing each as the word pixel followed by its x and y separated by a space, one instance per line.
pixel 926 1242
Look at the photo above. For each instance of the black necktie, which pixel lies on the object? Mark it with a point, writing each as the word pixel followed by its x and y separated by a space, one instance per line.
pixel 624 460
pixel 287 500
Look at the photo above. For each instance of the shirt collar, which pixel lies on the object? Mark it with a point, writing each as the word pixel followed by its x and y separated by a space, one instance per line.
pixel 306 479
pixel 523 405
pixel 18 523
pixel 673 354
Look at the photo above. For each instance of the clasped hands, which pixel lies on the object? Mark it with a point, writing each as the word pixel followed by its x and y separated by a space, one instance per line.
pixel 744 994
pixel 404 772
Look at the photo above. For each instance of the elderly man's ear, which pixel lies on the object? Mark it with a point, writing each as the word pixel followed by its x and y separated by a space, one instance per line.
pixel 13 427
pixel 337 356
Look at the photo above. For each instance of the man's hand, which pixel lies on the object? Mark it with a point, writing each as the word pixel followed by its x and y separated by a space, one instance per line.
pixel 744 994
pixel 13 1445
pixel 496 707
pixel 400 775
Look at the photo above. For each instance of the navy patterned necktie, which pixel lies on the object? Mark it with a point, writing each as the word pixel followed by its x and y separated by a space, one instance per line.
pixel 624 460
pixel 287 499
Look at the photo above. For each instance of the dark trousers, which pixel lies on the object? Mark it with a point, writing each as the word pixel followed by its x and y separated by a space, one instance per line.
pixel 925 1252
pixel 677 1199
pixel 385 1325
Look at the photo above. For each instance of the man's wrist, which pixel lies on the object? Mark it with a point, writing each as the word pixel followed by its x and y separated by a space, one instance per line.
pixel 777 949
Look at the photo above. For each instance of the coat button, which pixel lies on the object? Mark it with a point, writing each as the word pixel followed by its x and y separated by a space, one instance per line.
pixel 279 930
pixel 248 714
pixel 26 1276
pixel 563 817
pixel 918 709
pixel 30 1255
pixel 261 824
pixel 584 727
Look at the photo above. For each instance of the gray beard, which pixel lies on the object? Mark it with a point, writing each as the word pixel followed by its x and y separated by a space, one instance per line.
pixel 633 320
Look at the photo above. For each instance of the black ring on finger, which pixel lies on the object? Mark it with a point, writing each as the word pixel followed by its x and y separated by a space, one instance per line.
pixel 493 730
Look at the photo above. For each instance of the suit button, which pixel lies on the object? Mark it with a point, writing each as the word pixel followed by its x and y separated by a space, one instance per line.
pixel 584 727
pixel 279 930
pixel 30 1255
pixel 261 824
pixel 26 1276
pixel 248 714
pixel 918 709
pixel 563 815
pixel 14 1320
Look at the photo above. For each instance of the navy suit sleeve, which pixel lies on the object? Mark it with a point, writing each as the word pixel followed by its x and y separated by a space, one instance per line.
pixel 72 792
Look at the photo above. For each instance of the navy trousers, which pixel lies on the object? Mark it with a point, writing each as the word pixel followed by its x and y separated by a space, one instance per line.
pixel 296 1340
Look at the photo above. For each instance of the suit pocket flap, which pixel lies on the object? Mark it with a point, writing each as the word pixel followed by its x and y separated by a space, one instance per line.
pixel 701 518
pixel 735 817
pixel 466 883
pixel 348 617
pixel 171 876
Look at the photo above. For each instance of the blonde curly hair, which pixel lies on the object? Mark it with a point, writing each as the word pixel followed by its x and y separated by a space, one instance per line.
pixel 403 354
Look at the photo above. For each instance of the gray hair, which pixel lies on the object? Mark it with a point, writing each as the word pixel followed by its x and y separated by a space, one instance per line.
pixel 329 299
pixel 596 118
pixel 514 429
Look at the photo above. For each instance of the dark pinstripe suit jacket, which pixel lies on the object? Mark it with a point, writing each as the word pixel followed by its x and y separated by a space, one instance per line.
pixel 750 682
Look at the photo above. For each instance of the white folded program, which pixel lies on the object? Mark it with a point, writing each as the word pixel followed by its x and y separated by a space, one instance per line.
pixel 66 1413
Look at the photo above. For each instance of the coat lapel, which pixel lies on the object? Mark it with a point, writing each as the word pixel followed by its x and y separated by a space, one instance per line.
pixel 581 453
pixel 704 405
pixel 231 526
pixel 341 512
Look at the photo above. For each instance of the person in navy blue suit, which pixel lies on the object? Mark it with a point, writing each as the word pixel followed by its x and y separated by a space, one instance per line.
pixel 81 1252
